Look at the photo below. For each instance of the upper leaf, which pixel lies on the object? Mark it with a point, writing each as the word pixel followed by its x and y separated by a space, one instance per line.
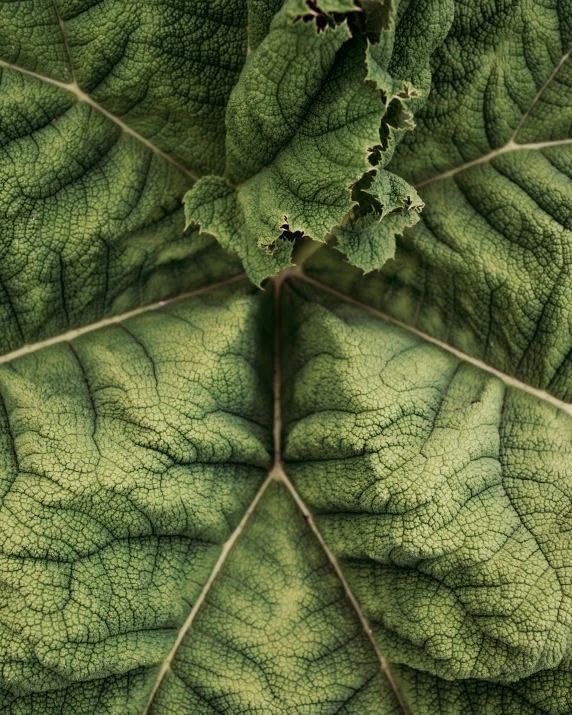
pixel 386 206
pixel 489 266
pixel 307 120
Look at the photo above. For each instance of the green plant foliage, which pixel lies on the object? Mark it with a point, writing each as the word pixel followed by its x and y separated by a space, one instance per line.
pixel 276 578
pixel 488 267
pixel 303 127
pixel 345 493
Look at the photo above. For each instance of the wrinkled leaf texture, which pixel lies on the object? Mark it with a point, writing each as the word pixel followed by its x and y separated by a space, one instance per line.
pixel 345 493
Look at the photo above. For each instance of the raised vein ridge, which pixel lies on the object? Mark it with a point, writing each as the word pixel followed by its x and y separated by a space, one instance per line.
pixel 75 89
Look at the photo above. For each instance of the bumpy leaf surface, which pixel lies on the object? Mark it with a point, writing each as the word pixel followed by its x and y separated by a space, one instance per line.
pixel 129 456
pixel 276 633
pixel 488 268
pixel 444 494
pixel 97 147
pixel 229 504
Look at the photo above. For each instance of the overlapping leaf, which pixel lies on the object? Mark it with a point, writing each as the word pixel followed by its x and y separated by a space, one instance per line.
pixel 488 268
pixel 304 126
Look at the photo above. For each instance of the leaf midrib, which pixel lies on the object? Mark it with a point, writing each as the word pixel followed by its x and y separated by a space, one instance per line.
pixel 506 149
pixel 507 379
pixel 76 90
pixel 277 473
pixel 512 144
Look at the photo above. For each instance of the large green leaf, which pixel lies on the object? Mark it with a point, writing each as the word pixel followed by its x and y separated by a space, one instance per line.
pixel 104 119
pixel 276 633
pixel 313 111
pixel 232 504
pixel 445 494
pixel 129 455
pixel 488 269
pixel 164 69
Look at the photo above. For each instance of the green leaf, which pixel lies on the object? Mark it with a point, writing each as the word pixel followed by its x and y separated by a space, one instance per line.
pixel 443 493
pixel 305 123
pixel 101 130
pixel 385 209
pixel 129 455
pixel 165 71
pixel 221 500
pixel 548 691
pixel 275 633
pixel 286 197
pixel 488 267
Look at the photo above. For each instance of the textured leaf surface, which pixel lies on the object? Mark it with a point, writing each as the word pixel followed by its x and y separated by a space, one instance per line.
pixel 488 268
pixel 547 692
pixel 442 491
pixel 141 570
pixel 304 126
pixel 165 69
pixel 128 457
pixel 276 633
pixel 96 149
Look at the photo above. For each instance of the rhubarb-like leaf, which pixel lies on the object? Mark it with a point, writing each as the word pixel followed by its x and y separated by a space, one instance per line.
pixel 342 494
pixel 128 457
pixel 108 111
pixel 489 269
pixel 444 494
pixel 306 122
pixel 276 633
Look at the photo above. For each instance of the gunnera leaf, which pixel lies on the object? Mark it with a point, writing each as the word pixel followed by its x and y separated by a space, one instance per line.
pixel 218 500
pixel 488 269
pixel 314 110
pixel 109 112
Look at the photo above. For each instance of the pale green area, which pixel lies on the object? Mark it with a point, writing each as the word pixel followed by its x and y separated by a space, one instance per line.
pixel 369 240
pixel 128 458
pixel 443 492
pixel 489 269
pixel 303 126
pixel 276 633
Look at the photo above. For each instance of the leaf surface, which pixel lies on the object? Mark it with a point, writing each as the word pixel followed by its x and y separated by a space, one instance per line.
pixel 129 456
pixel 487 269
pixel 165 69
pixel 220 505
pixel 103 124
pixel 276 633
pixel 443 493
